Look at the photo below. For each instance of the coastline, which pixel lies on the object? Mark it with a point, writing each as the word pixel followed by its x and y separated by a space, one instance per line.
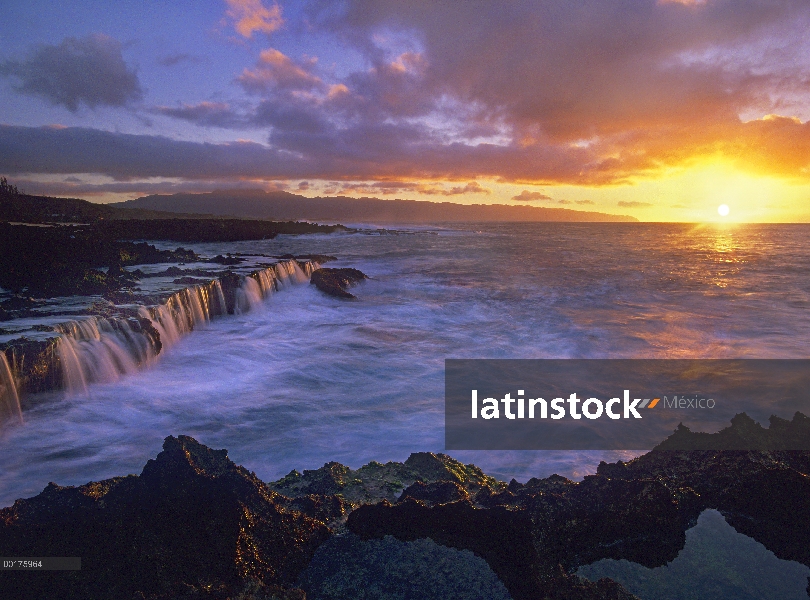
pixel 534 536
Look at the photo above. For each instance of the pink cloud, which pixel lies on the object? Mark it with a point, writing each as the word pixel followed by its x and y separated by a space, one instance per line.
pixel 527 196
pixel 252 15
pixel 277 70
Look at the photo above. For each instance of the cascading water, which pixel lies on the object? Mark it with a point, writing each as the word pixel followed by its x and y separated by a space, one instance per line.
pixel 289 272
pixel 9 399
pixel 101 350
pixel 260 284
pixel 248 296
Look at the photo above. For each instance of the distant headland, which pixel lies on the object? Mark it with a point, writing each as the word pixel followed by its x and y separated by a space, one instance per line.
pixel 284 206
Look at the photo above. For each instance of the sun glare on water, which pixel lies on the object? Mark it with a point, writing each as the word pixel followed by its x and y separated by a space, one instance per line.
pixel 723 210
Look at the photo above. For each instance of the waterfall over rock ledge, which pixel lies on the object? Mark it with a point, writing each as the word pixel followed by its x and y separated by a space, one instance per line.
pixel 97 349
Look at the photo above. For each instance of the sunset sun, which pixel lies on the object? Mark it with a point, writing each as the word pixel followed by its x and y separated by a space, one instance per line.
pixel 723 210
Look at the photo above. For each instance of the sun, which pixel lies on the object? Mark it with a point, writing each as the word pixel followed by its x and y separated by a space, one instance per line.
pixel 723 210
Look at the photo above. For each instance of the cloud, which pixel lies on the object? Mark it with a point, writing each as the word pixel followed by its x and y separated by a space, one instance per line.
pixel 290 118
pixel 303 186
pixel 536 94
pixel 89 71
pixel 74 189
pixel 216 114
pixel 633 204
pixel 471 188
pixel 637 87
pixel 527 196
pixel 305 144
pixel 584 202
pixel 252 15
pixel 277 70
pixel 684 2
pixel 386 188
pixel 124 157
pixel 564 202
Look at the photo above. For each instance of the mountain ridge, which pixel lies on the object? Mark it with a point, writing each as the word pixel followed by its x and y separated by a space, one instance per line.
pixel 282 205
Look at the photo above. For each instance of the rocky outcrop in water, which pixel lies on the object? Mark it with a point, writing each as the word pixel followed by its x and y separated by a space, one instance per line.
pixel 335 281
pixel 745 434
pixel 192 525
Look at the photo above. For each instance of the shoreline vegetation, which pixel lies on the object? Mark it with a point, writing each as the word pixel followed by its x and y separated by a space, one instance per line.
pixel 195 525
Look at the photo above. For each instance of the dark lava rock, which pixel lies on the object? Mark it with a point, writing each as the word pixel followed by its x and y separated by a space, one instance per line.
pixel 347 568
pixel 745 434
pixel 500 536
pixel 35 363
pixel 18 307
pixel 193 524
pixel 66 260
pixel 331 510
pixel 438 492
pixel 226 260
pixel 335 281
pixel 191 280
pixel 375 481
pixel 207 230
pixel 535 535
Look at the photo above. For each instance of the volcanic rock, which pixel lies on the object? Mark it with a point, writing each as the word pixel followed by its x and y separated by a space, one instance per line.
pixel 193 524
pixel 375 481
pixel 535 536
pixel 335 281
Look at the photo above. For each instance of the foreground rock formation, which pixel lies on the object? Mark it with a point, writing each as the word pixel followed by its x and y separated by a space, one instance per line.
pixel 534 535
pixel 193 524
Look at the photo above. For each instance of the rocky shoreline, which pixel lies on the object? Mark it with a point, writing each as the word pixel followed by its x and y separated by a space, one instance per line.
pixel 142 322
pixel 85 280
pixel 195 525
pixel 146 320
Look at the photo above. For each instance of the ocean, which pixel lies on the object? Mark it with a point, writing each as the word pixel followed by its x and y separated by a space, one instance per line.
pixel 306 378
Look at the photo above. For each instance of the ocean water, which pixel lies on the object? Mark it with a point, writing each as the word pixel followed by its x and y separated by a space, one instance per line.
pixel 307 378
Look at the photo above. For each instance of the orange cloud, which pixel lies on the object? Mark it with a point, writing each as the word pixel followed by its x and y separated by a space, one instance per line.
pixel 276 69
pixel 527 196
pixel 387 188
pixel 252 15
pixel 684 2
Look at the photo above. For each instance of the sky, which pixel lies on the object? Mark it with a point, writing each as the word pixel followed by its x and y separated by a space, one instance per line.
pixel 659 109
